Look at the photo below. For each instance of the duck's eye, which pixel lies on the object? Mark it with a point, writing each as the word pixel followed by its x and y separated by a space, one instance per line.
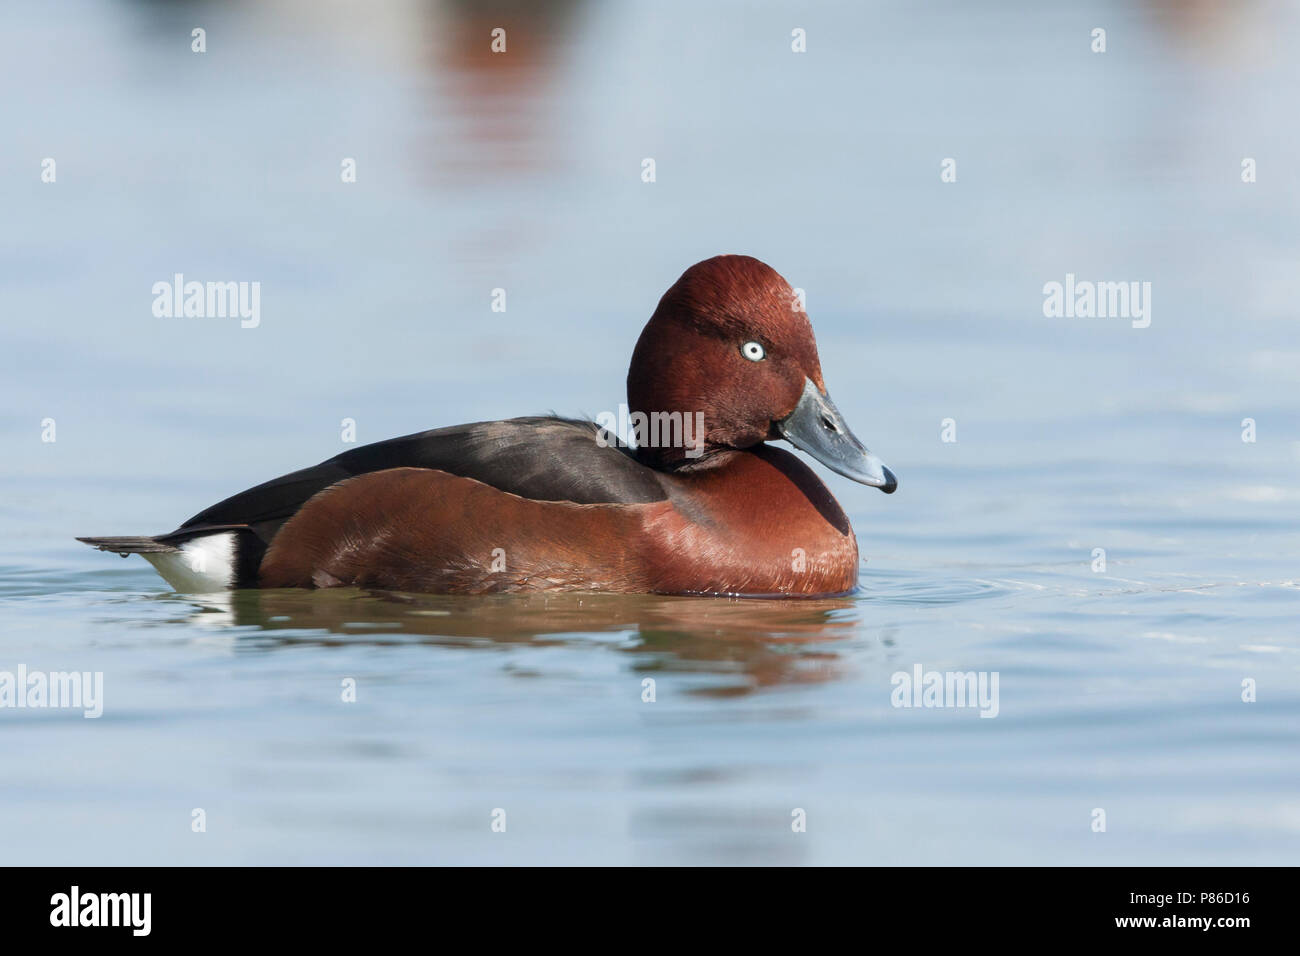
pixel 753 351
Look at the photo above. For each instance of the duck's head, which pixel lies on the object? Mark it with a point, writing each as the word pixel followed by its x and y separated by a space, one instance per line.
pixel 731 341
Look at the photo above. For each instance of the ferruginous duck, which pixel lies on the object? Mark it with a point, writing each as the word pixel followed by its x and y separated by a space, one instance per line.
pixel 702 505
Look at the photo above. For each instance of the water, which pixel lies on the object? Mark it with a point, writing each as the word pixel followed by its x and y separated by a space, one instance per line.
pixel 1120 689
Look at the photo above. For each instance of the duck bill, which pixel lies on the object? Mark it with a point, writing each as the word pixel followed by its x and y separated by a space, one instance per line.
pixel 817 427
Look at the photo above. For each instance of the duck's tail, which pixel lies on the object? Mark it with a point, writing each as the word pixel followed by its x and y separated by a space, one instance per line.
pixel 193 563
pixel 133 544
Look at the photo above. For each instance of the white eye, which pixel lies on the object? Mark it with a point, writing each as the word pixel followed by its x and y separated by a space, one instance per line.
pixel 753 351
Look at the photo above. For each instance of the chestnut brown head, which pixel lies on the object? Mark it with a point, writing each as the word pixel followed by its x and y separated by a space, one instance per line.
pixel 731 342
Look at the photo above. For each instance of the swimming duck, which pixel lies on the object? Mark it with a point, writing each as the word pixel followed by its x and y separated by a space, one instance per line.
pixel 726 364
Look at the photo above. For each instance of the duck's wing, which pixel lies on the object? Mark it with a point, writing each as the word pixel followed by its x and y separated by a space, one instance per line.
pixel 545 459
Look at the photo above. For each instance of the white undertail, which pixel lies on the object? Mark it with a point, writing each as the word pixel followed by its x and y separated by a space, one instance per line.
pixel 203 565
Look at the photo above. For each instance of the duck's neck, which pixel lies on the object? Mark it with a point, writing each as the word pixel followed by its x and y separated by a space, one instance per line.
pixel 687 461
pixel 667 441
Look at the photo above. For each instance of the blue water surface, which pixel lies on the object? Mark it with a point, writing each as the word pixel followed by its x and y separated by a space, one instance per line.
pixel 1121 690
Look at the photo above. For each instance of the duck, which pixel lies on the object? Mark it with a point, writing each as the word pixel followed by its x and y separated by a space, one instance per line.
pixel 704 505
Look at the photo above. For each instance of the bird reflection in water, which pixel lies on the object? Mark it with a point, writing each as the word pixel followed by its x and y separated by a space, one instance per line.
pixel 756 642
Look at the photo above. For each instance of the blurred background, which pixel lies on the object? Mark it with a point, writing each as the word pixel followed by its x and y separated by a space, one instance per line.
pixel 522 171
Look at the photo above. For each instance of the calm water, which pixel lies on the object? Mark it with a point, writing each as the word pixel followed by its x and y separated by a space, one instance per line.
pixel 1119 689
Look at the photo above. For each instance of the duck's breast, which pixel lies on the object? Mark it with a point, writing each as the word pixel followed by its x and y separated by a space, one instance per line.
pixel 757 522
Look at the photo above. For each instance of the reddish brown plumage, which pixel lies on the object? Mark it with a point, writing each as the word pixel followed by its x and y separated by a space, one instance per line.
pixel 416 529
pixel 751 522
